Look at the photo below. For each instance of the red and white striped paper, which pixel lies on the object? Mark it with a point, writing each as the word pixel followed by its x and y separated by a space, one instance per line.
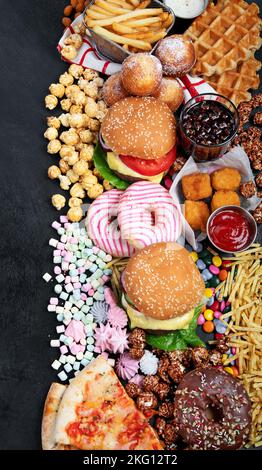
pixel 88 57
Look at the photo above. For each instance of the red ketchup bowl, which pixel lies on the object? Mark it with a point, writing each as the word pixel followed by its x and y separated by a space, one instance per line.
pixel 231 229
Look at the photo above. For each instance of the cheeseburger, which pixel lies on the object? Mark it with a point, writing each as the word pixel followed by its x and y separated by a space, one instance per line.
pixel 162 288
pixel 139 135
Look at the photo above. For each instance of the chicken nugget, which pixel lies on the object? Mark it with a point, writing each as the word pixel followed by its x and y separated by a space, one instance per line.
pixel 196 214
pixel 226 178
pixel 196 186
pixel 224 198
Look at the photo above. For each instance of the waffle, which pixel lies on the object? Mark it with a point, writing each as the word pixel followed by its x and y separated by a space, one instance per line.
pixel 235 83
pixel 224 35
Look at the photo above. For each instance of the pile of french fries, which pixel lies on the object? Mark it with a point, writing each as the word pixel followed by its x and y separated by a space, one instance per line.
pixel 128 22
pixel 243 286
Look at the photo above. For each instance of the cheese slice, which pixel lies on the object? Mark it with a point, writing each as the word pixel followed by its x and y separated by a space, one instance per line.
pixel 139 320
pixel 116 164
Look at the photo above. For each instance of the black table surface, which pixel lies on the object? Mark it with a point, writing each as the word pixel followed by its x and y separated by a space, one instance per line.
pixel 29 61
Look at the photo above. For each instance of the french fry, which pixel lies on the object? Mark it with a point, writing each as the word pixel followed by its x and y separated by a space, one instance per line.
pixel 94 15
pixel 164 15
pixel 123 4
pixel 168 21
pixel 144 4
pixel 123 29
pixel 125 17
pixel 143 22
pixel 143 45
pixel 114 9
pixel 135 3
pixel 157 36
pixel 94 7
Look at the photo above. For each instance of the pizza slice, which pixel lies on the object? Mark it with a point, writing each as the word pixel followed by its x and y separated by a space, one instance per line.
pixel 96 413
pixel 52 403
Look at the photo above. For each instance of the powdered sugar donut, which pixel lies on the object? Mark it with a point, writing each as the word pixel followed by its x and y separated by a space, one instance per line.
pixel 147 214
pixel 102 225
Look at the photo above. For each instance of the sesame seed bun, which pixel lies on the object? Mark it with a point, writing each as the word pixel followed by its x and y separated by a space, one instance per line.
pixel 142 127
pixel 163 282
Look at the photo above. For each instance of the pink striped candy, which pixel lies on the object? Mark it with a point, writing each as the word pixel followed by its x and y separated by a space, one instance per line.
pixel 102 225
pixel 147 214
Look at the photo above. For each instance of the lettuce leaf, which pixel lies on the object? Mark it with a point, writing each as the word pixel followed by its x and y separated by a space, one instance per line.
pixel 101 165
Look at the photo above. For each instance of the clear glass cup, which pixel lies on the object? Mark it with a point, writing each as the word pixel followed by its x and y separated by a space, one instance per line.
pixel 207 152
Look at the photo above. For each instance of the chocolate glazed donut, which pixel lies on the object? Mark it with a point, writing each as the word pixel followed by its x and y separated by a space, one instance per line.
pixel 212 410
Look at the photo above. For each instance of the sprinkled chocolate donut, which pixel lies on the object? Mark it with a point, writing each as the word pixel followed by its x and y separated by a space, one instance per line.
pixel 212 410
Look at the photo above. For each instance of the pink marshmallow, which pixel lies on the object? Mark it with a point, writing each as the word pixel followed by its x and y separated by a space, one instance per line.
pixel 73 240
pixel 91 292
pixel 56 252
pixel 60 246
pixel 81 270
pixel 68 256
pixel 64 349
pixel 56 225
pixel 57 270
pixel 67 280
pixel 83 297
pixel 77 285
pixel 95 249
pixel 63 219
pixel 67 225
pixel 53 301
pixel 73 348
pixel 105 278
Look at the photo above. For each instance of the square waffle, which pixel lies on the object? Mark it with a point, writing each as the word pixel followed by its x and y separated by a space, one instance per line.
pixel 224 35
pixel 235 83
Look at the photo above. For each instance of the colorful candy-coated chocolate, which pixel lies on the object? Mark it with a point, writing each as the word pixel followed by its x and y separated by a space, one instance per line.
pixel 220 327
pixel 215 306
pixel 204 254
pixel 201 319
pixel 213 269
pixel 207 274
pixel 203 308
pixel 233 350
pixel 218 335
pixel 210 301
pixel 200 264
pixel 208 327
pixel 214 282
pixel 209 314
pixel 226 264
pixel 224 357
pixel 223 275
pixel 217 261
pixel 194 255
pixel 222 306
pixel 217 314
pixel 229 370
pixel 208 293
pixel 235 370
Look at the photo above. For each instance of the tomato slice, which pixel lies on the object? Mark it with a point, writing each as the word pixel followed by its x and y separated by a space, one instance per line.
pixel 150 167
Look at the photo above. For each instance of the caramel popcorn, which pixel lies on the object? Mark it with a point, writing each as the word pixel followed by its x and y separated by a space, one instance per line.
pixel 54 146
pixel 57 89
pixel 53 172
pixel 58 201
pixel 51 133
pixel 75 214
pixel 51 102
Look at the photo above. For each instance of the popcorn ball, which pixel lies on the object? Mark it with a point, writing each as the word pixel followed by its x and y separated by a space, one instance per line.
pixel 75 214
pixel 57 90
pixel 66 104
pixel 51 102
pixel 58 201
pixel 51 133
pixel 74 40
pixel 76 70
pixel 53 172
pixel 66 79
pixel 64 167
pixel 53 121
pixel 69 137
pixel 69 52
pixel 77 191
pixel 54 146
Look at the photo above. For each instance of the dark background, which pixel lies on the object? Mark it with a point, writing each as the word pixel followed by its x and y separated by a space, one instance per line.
pixel 29 62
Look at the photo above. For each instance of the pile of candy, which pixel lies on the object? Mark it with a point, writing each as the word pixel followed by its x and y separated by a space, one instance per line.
pixel 214 271
pixel 80 275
